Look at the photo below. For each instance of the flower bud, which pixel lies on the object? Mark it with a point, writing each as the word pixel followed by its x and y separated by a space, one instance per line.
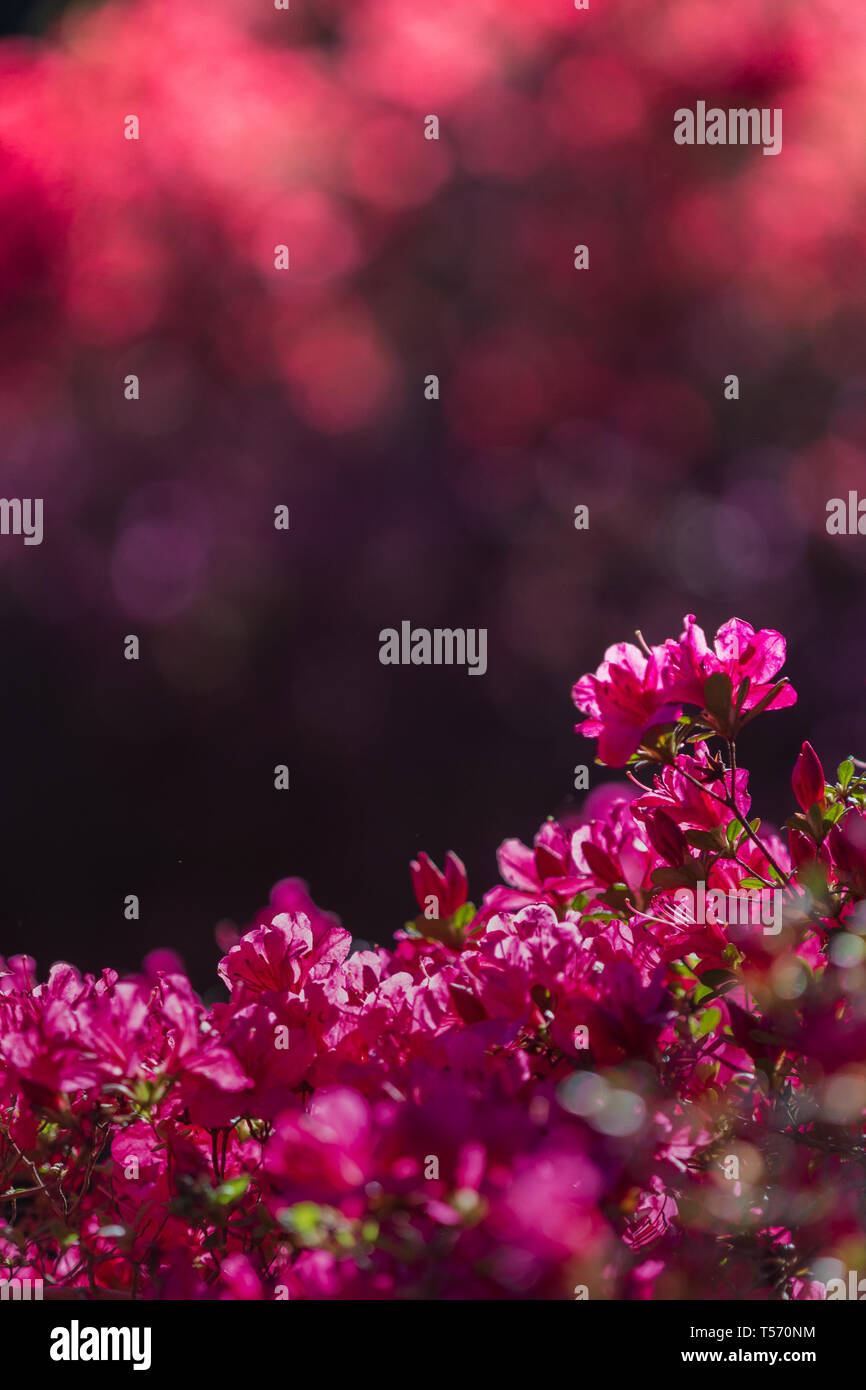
pixel 449 889
pixel 666 837
pixel 601 866
pixel 801 847
pixel 807 778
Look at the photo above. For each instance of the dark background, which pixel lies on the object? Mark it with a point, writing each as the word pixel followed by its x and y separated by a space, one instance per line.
pixel 258 648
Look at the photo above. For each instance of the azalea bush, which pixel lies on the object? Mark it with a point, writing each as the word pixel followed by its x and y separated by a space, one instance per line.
pixel 599 1083
pixel 305 389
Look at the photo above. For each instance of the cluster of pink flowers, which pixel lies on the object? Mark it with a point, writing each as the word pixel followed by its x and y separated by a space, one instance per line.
pixel 597 1084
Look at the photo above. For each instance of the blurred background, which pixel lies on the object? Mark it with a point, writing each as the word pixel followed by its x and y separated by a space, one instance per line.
pixel 262 388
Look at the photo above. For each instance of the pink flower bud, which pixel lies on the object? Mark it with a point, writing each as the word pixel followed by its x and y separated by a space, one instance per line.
pixel 807 778
pixel 601 865
pixel 802 849
pixel 666 837
pixel 449 889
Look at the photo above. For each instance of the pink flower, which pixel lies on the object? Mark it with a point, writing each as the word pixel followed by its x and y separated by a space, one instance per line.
pixel 738 652
pixel 283 955
pixel 274 1056
pixel 846 844
pixel 624 699
pixel 690 806
pixel 652 1218
pixel 449 890
pixel 240 1279
pixel 323 1155
pixel 545 873
pixel 613 849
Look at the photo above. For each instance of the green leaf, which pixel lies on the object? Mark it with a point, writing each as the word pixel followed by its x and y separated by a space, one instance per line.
pixel 705 839
pixel 742 693
pixel 678 967
pixel 718 693
pixel 726 988
pixel 845 772
pixel 463 916
pixel 305 1218
pixel 716 977
pixel 230 1190
pixel 709 1020
pixel 734 831
pixel 815 822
